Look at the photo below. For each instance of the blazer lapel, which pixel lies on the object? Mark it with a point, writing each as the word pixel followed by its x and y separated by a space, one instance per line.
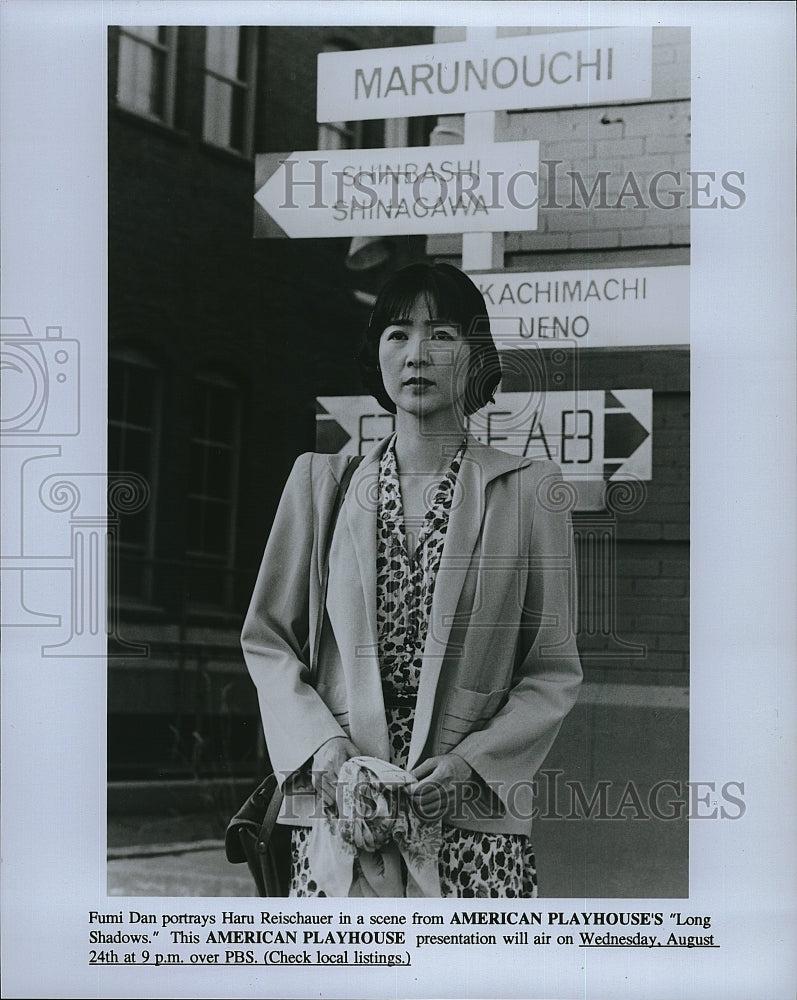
pixel 357 615
pixel 480 466
pixel 361 508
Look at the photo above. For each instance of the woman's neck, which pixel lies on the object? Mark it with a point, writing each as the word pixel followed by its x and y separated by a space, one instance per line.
pixel 428 446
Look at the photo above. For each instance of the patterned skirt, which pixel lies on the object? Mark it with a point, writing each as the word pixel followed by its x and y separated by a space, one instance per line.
pixel 497 865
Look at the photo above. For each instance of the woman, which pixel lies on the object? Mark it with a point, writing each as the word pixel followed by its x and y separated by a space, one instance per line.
pixel 448 638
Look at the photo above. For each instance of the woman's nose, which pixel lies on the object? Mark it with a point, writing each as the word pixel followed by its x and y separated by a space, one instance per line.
pixel 419 352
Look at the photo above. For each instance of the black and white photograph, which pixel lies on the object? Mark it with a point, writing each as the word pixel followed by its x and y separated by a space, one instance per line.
pixel 503 595
pixel 398 490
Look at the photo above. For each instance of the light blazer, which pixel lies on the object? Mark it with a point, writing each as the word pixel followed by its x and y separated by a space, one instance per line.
pixel 500 667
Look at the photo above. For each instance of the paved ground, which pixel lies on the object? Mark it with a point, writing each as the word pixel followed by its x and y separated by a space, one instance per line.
pixel 180 872
pixel 586 859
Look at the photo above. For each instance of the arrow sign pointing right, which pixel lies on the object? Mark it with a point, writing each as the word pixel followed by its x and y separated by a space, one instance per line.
pixel 623 434
pixel 627 427
pixel 385 192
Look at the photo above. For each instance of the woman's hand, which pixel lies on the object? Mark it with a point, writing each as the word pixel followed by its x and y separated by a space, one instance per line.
pixel 327 762
pixel 439 781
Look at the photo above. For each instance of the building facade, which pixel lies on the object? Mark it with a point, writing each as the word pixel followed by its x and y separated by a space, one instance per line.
pixel 218 346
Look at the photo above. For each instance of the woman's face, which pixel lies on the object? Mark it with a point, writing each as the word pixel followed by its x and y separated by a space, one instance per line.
pixel 424 362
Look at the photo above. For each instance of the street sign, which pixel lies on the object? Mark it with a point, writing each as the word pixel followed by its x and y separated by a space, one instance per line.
pixel 596 436
pixel 561 69
pixel 611 307
pixel 380 192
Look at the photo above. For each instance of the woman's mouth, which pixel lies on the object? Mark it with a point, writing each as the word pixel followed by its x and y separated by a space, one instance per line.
pixel 419 381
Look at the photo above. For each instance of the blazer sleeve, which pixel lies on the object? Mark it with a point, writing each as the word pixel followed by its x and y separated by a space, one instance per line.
pixel 275 637
pixel 512 746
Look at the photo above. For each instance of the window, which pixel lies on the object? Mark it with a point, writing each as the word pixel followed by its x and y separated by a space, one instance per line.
pixel 351 135
pixel 146 78
pixel 134 426
pixel 338 135
pixel 230 62
pixel 213 489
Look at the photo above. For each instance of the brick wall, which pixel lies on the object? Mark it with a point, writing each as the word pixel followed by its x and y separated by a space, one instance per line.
pixel 646 603
pixel 639 138
pixel 652 565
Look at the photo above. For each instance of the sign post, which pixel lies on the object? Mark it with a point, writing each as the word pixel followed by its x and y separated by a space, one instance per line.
pixel 476 187
pixel 479 249
pixel 483 189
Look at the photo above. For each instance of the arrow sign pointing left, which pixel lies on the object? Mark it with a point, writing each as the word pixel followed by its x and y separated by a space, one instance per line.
pixel 385 192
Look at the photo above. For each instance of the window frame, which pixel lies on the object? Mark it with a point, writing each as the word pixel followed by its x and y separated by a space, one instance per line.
pixel 146 552
pixel 340 135
pixel 167 48
pixel 223 564
pixel 248 86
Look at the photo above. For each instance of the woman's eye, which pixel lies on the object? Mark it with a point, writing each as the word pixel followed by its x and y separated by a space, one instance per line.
pixel 443 335
pixel 395 335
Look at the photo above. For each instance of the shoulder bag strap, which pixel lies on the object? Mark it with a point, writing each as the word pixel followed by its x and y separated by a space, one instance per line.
pixel 343 486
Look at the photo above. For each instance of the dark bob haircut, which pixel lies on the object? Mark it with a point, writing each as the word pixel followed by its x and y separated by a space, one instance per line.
pixel 452 297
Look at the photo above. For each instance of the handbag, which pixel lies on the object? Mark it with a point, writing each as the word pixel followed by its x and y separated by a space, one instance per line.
pixel 253 834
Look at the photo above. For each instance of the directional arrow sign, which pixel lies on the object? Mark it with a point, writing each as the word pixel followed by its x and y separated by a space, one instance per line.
pixel 595 436
pixel 331 436
pixel 627 428
pixel 385 192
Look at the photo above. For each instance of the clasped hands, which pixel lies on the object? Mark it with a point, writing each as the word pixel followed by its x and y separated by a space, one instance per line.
pixel 438 779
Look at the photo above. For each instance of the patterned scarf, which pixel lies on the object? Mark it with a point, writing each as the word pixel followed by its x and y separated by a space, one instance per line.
pixel 359 851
